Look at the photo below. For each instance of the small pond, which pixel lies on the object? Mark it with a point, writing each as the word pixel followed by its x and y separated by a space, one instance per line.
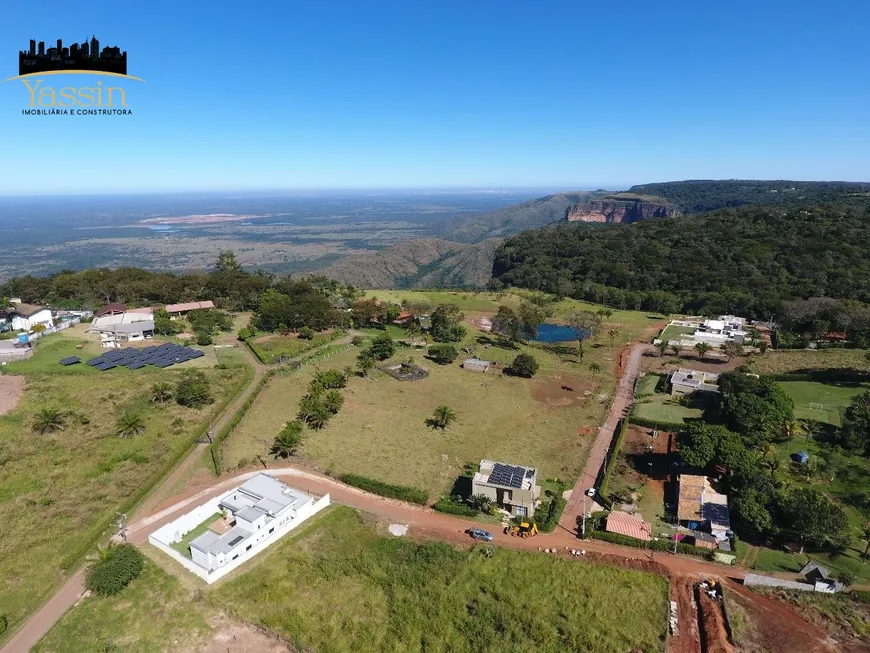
pixel 559 333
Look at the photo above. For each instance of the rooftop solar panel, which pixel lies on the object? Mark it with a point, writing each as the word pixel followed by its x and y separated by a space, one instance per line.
pixel 507 475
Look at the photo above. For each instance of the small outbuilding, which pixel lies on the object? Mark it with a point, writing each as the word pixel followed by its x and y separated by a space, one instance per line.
pixel 110 309
pixel 476 365
pixel 705 540
pixel 623 523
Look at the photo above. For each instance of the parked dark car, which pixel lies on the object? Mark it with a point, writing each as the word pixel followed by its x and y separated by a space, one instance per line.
pixel 480 534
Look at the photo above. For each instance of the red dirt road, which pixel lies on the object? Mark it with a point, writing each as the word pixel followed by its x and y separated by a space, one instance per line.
pixel 619 407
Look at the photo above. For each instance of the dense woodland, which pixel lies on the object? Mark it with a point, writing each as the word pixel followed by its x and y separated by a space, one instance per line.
pixel 703 195
pixel 746 261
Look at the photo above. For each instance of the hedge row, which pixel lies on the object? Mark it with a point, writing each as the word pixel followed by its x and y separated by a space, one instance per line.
pixel 401 492
pixel 654 545
pixel 554 513
pixel 446 505
pixel 79 547
pixel 215 446
pixel 653 423
pixel 615 449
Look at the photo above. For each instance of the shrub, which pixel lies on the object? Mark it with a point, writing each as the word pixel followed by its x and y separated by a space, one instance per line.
pixel 547 517
pixel 443 354
pixel 203 338
pixel 113 572
pixel 444 504
pixel 357 341
pixel 331 379
pixel 306 333
pixel 193 389
pixel 524 365
pixel 653 545
pixel 245 334
pixel 382 347
pixel 401 492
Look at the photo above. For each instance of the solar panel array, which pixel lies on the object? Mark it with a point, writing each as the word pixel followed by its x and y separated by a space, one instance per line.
pixel 72 360
pixel 134 359
pixel 507 475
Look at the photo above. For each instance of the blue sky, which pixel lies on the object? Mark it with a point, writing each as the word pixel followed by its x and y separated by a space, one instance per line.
pixel 512 93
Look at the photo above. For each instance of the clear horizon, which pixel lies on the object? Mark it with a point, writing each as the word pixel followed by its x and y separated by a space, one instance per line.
pixel 491 96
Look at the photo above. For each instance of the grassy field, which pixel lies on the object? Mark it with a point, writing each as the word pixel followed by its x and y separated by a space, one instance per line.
pixel 269 348
pixel 381 431
pixel 782 362
pixel 673 332
pixel 833 399
pixel 665 409
pixel 60 490
pixel 155 614
pixel 341 585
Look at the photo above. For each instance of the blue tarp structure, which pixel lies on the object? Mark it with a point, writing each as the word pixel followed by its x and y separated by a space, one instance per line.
pixel 800 457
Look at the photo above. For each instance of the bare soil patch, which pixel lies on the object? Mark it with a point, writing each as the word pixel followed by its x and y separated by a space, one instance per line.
pixel 11 389
pixel 242 638
pixel 563 390
pixel 713 621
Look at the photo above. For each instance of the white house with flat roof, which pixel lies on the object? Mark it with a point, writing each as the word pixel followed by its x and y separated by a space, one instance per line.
pixel 257 514
pixel 118 329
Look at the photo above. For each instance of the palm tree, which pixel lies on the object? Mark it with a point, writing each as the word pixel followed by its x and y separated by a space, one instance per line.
pixel 702 348
pixel 308 407
pixel 129 424
pixel 810 427
pixel 442 417
pixel 612 333
pixel 348 371
pixel 581 351
pixel 333 401
pixel 319 417
pixel 49 420
pixel 595 368
pixel 676 349
pixel 365 364
pixel 288 440
pixel 161 392
pixel 662 346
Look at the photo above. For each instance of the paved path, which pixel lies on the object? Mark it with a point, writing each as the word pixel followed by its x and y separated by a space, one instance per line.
pixel 618 410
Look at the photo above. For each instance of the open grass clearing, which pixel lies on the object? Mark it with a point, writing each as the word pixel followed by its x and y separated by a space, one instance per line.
pixel 59 489
pixel 665 409
pixel 798 360
pixel 342 584
pixel 675 332
pixel 270 348
pixel 155 613
pixel 822 402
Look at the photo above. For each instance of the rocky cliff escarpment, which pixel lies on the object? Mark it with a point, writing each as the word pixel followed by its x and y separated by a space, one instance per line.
pixel 613 211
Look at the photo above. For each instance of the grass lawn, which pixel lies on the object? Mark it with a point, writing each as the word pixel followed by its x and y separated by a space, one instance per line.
pixel 155 613
pixel 646 385
pixel 832 397
pixel 270 347
pixel 341 584
pixel 674 332
pixel 60 490
pixel 183 547
pixel 230 356
pixel 396 332
pixel 781 362
pixel 664 408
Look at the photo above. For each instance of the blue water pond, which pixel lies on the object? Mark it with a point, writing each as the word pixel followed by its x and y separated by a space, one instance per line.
pixel 559 333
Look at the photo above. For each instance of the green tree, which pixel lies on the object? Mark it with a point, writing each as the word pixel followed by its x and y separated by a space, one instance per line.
pixel 193 389
pixel 524 365
pixel 164 326
pixel 854 436
pixel 676 349
pixel 130 424
pixel 288 440
pixel 813 517
pixel 309 406
pixel 203 338
pixel 443 417
pixel 754 407
pixel 319 417
pixel 612 333
pixel 699 443
pixel 161 392
pixel 702 348
pixel 585 324
pixel 763 346
pixel 865 535
pixel 306 333
pixel 753 511
pixel 443 354
pixel 382 347
pixel 662 347
pixel 506 323
pixel 595 368
pixel 49 420
pixel 447 323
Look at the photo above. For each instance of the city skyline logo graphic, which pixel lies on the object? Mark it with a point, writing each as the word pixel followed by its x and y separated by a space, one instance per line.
pixel 38 64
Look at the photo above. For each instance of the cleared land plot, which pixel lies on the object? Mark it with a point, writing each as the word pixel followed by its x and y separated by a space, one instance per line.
pixel 339 585
pixel 58 491
pixel 674 332
pixel 782 362
pixel 154 613
pixel 11 389
pixel 822 401
pixel 664 409
pixel 270 348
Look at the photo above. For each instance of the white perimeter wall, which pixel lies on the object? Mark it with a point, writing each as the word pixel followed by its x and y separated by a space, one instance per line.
pixel 176 530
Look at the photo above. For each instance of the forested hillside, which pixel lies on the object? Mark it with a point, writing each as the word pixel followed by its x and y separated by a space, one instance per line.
pixel 701 195
pixel 746 261
pixel 420 263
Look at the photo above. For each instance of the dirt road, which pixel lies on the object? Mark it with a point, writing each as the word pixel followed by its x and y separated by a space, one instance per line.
pixel 618 409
